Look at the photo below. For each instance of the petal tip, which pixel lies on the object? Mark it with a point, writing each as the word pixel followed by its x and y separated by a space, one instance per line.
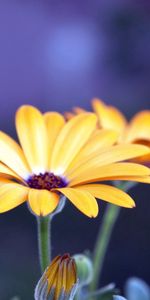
pixel 94 215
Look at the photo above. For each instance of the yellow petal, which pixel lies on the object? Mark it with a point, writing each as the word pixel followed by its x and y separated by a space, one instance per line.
pixel 42 202
pixel 32 134
pixel 110 194
pixel 59 282
pixel 54 123
pixel 64 276
pixel 51 272
pixel 12 195
pixel 108 156
pixel 68 115
pixel 143 159
pixel 142 179
pixel 71 275
pixel 78 110
pixel 109 171
pixel 71 139
pixel 4 180
pixel 109 117
pixel 83 200
pixel 139 127
pixel 12 155
pixel 99 140
pixel 5 171
pixel 102 138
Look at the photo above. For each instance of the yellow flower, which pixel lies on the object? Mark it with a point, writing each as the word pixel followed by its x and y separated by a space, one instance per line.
pixel 109 117
pixel 135 131
pixel 63 158
pixel 59 281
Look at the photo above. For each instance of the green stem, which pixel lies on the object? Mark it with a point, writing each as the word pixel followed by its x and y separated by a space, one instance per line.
pixel 44 241
pixel 103 239
pixel 104 235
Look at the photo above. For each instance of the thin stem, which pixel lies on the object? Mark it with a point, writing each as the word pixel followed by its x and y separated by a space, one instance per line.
pixel 104 235
pixel 103 239
pixel 44 241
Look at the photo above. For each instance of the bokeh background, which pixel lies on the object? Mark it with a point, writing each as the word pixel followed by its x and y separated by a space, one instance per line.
pixel 59 54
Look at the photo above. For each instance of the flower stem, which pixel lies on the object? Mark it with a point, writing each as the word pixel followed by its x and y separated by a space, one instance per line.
pixel 103 240
pixel 44 241
pixel 104 235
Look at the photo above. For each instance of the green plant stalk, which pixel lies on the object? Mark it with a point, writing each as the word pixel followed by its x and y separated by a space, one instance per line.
pixel 103 239
pixel 104 235
pixel 44 235
pixel 44 242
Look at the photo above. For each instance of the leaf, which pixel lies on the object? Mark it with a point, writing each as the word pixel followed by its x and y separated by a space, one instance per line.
pixel 137 289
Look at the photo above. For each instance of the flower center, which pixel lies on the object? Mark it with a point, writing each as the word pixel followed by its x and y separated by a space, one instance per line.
pixel 47 181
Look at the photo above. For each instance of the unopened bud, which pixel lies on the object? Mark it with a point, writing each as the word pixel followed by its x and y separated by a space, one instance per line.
pixel 84 269
pixel 59 280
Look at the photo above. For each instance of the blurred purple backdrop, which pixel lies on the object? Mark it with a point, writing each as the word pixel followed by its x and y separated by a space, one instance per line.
pixel 56 55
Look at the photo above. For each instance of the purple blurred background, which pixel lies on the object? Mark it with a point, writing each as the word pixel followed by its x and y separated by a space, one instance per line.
pixel 59 54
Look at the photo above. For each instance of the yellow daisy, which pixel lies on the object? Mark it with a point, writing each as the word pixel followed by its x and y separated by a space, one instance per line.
pixel 137 130
pixel 59 280
pixel 63 158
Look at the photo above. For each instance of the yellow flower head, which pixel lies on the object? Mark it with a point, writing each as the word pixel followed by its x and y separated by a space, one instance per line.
pixel 109 117
pixel 59 281
pixel 136 131
pixel 64 158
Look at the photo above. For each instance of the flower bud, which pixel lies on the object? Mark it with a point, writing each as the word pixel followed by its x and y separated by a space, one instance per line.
pixel 59 281
pixel 84 269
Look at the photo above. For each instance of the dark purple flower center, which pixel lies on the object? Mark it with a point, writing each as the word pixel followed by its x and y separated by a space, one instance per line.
pixel 47 181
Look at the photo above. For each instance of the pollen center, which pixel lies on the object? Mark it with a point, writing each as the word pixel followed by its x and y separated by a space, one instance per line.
pixel 47 181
